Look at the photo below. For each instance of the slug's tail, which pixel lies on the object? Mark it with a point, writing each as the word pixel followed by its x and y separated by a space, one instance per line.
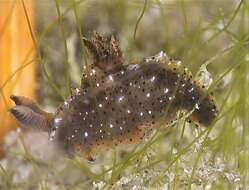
pixel 28 113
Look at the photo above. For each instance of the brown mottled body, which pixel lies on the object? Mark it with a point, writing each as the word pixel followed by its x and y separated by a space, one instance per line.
pixel 123 102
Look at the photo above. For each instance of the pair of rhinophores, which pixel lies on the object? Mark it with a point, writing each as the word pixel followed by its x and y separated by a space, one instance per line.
pixel 118 102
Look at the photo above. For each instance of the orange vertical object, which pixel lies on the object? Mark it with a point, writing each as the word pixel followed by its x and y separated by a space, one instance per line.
pixel 16 51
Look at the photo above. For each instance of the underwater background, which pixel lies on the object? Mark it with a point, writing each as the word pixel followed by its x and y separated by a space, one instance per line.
pixel 212 35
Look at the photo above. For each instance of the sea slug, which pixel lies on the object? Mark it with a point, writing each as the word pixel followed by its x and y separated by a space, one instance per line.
pixel 118 102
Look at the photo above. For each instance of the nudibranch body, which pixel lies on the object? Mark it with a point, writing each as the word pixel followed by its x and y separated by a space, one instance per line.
pixel 119 103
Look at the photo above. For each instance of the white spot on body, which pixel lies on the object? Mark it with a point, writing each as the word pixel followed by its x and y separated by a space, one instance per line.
pixel 161 54
pixel 170 98
pixel 191 90
pixel 121 98
pixel 166 90
pixel 148 95
pixel 178 62
pixel 128 111
pixel 86 134
pixel 110 77
pixel 57 119
pixel 153 78
pixel 100 105
pixel 111 125
pixel 141 113
pixel 93 71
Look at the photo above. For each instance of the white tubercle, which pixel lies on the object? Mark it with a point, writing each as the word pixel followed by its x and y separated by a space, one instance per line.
pixel 158 57
pixel 203 76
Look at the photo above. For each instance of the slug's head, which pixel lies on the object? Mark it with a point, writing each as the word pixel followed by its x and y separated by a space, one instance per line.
pixel 29 115
pixel 205 112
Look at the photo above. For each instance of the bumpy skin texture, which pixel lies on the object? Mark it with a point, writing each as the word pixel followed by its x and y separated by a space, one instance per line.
pixel 122 103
